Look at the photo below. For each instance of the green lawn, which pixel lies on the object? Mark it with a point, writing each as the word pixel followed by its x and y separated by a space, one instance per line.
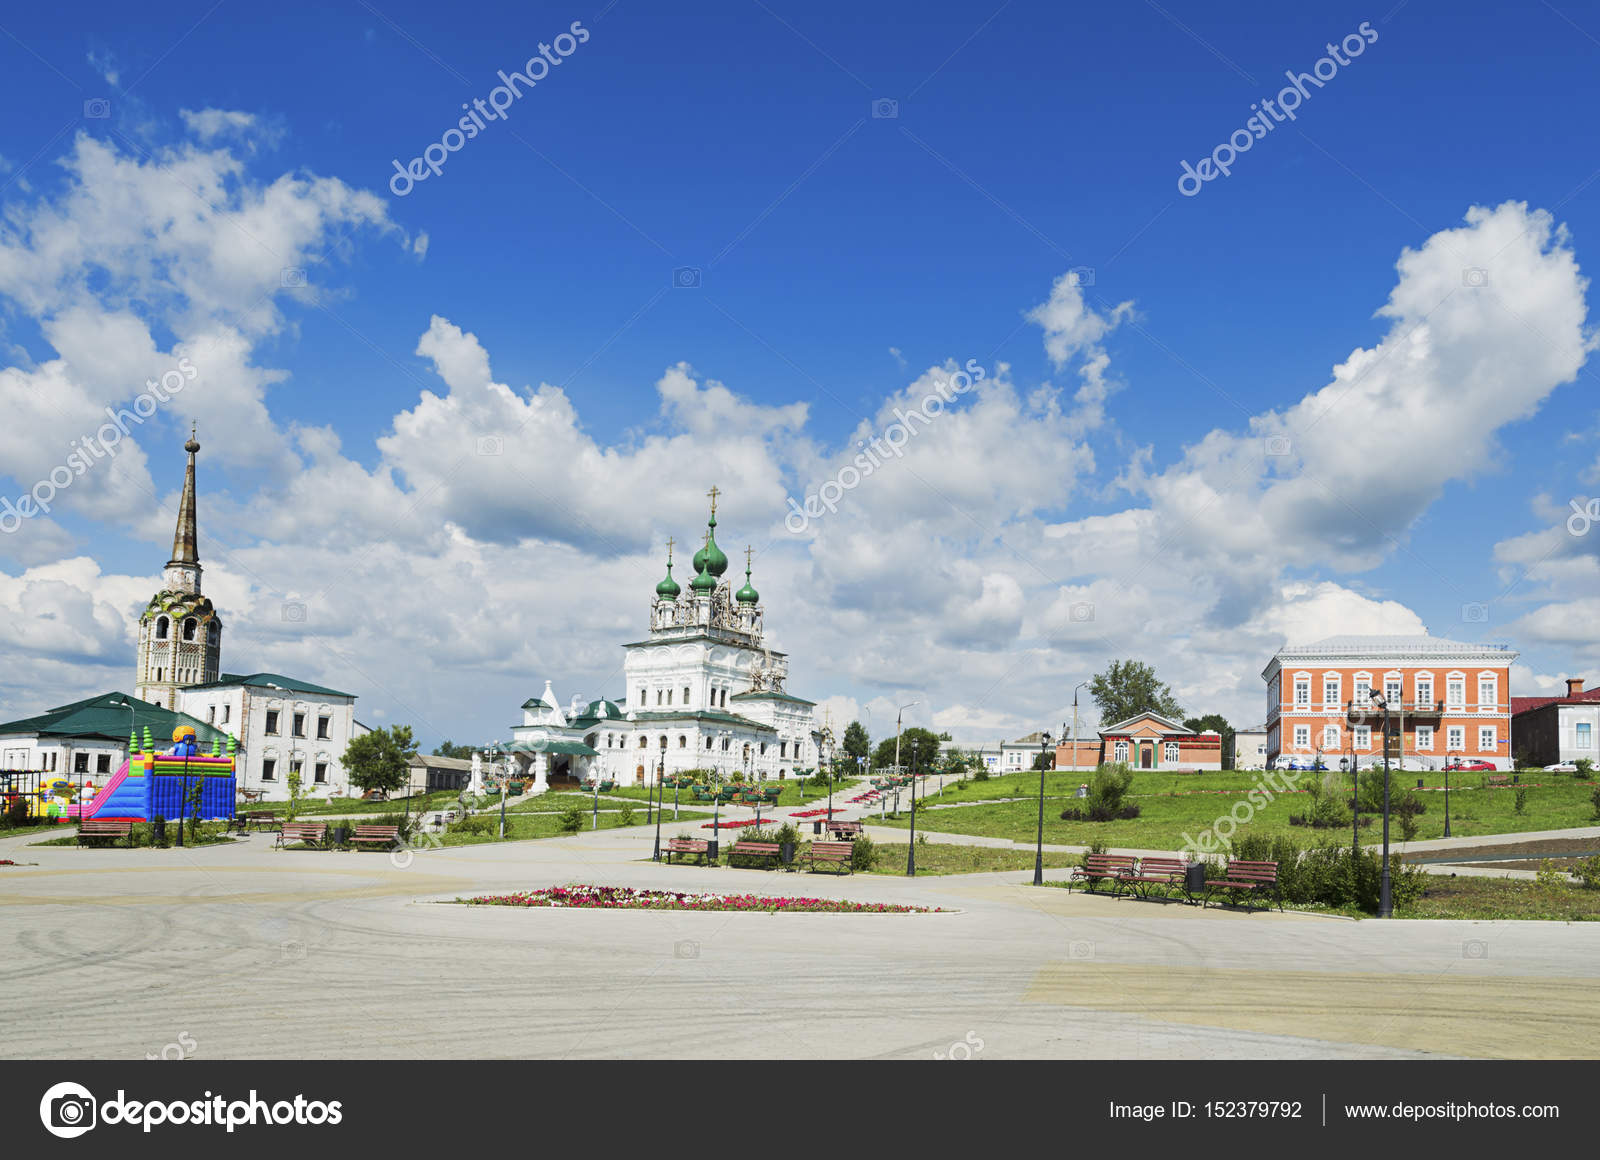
pixel 210 834
pixel 338 805
pixel 1502 898
pixel 1553 801
pixel 942 858
pixel 522 825
pixel 791 795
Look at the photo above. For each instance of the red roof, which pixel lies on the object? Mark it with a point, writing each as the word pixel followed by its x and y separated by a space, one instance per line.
pixel 1524 704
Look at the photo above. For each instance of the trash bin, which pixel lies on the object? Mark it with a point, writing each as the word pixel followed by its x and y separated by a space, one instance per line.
pixel 711 850
pixel 338 835
pixel 1194 878
pixel 816 827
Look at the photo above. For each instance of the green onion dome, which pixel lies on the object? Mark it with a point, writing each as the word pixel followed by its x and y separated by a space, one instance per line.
pixel 668 589
pixel 747 594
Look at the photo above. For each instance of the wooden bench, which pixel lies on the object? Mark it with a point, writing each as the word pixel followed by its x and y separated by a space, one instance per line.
pixel 1497 779
pixel 685 846
pixel 311 833
pixel 1151 873
pixel 843 831
pixel 264 820
pixel 1101 868
pixel 376 836
pixel 838 854
pixel 89 828
pixel 1248 881
pixel 757 850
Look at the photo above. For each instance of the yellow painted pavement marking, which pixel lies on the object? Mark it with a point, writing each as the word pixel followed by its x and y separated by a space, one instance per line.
pixel 1523 1017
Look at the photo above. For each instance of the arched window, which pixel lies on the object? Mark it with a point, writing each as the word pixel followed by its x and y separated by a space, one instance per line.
pixel 213 632
pixel 683 742
pixel 161 628
pixel 189 626
pixel 644 742
pixel 686 694
pixel 669 696
pixel 609 736
pixel 663 741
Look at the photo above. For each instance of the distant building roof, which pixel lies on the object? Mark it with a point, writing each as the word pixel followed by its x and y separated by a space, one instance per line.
pixel 264 680
pixel 434 761
pixel 108 716
pixel 1382 645
pixel 1525 704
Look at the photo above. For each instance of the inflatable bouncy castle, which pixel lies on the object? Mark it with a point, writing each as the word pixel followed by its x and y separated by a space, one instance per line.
pixel 151 785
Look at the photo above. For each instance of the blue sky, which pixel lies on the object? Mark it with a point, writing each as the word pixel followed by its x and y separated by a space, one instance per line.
pixel 841 254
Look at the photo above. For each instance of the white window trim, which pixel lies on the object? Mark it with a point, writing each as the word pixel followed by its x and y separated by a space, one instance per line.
pixel 1302 737
pixel 1455 738
pixel 1425 731
pixel 1493 739
pixel 1452 678
pixel 1363 737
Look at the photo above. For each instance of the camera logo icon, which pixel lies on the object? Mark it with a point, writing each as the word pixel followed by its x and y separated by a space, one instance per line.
pixel 686 949
pixel 885 109
pixel 1474 276
pixel 292 276
pixel 67 1110
pixel 1474 948
pixel 97 108
pixel 686 277
pixel 1081 275
pixel 1279 445
pixel 491 445
pixel 293 612
pixel 1080 611
pixel 1475 613
pixel 1081 948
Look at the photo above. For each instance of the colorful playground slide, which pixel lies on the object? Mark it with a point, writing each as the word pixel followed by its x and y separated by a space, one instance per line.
pixel 152 785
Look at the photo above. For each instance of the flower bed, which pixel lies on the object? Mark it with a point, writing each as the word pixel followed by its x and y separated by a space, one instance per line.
pixel 815 813
pixel 627 898
pixel 6 862
pixel 733 825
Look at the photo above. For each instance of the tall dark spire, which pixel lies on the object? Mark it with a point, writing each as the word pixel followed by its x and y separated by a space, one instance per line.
pixel 185 541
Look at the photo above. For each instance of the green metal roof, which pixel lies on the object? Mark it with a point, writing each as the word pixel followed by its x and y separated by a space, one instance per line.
pixel 261 680
pixel 753 695
pixel 576 748
pixel 714 715
pixel 108 717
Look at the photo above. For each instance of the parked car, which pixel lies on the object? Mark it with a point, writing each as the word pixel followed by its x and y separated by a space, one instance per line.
pixel 1562 767
pixel 1470 765
pixel 1305 764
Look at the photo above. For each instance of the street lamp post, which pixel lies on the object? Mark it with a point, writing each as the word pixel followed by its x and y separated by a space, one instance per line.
pixel 911 850
pixel 1038 853
pixel 1385 901
pixel 661 771
pixel 1447 791
pixel 1355 792
pixel 1075 688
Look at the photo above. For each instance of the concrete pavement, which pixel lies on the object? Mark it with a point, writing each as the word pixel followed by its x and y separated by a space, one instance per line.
pixel 257 953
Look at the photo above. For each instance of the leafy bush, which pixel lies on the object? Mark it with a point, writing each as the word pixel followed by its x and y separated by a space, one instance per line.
pixel 863 853
pixel 1549 877
pixel 1588 872
pixel 1094 848
pixel 1585 768
pixel 1594 800
pixel 1099 813
pixel 1108 787
pixel 17 812
pixel 981 773
pixel 1323 875
pixel 625 815
pixel 570 820
pixel 477 825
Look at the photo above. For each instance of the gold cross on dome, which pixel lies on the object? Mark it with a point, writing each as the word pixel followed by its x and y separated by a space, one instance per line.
pixel 670 542
pixel 713 493
pixel 747 552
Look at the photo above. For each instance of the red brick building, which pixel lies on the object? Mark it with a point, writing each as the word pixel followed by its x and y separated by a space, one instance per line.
pixel 1447 700
pixel 1145 741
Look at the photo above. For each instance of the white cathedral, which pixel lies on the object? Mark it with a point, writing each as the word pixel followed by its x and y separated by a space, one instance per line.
pixel 704 691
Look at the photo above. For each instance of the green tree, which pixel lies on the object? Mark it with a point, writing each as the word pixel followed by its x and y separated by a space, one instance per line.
pixel 1217 723
pixel 1044 761
pixel 377 760
pixel 1128 688
pixel 917 746
pixel 856 742
pixel 451 749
